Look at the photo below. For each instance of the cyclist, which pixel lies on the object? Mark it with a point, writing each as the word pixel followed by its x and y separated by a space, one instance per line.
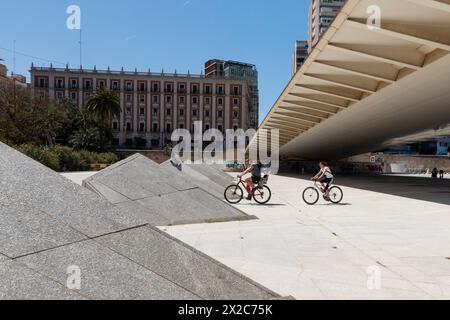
pixel 255 170
pixel 325 177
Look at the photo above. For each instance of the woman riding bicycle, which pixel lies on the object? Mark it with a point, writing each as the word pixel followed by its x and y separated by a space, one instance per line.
pixel 255 170
pixel 325 177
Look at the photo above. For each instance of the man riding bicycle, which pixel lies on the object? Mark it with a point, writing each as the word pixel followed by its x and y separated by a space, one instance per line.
pixel 255 170
pixel 325 177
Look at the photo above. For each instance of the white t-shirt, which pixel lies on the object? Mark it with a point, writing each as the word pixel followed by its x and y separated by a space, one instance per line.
pixel 327 172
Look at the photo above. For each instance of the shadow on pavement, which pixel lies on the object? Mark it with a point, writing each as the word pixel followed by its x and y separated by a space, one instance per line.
pixel 418 188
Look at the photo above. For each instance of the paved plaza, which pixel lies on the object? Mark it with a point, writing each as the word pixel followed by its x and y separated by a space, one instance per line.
pixel 398 226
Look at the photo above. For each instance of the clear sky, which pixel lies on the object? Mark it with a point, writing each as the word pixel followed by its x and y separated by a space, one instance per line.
pixel 157 34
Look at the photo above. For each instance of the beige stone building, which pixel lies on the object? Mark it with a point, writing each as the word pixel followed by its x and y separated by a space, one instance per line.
pixel 153 104
pixel 321 15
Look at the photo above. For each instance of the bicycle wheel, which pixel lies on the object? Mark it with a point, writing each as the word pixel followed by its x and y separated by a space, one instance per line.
pixel 262 195
pixel 336 195
pixel 311 196
pixel 234 194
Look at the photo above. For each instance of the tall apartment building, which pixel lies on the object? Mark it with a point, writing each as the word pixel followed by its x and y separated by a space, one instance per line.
pixel 321 15
pixel 300 55
pixel 239 70
pixel 153 104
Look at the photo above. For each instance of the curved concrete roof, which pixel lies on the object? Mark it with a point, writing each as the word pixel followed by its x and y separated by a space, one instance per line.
pixel 362 89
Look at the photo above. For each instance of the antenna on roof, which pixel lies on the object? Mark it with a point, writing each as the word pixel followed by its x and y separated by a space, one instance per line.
pixel 14 57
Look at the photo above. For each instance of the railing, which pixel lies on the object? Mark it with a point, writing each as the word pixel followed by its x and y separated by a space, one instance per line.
pixel 132 73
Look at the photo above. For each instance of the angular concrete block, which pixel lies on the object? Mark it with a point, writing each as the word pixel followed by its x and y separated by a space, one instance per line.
pixel 188 268
pixel 105 274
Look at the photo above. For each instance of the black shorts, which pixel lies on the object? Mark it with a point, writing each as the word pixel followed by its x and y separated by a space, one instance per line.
pixel 326 180
pixel 256 180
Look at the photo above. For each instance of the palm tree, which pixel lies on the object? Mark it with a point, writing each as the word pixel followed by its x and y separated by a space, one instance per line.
pixel 104 105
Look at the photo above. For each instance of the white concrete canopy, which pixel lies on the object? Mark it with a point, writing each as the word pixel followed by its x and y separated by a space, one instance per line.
pixel 363 89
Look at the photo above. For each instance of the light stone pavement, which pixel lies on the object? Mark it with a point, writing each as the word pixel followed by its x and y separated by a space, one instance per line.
pixel 324 251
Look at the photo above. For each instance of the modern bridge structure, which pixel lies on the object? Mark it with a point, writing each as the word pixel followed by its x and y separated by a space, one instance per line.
pixel 365 87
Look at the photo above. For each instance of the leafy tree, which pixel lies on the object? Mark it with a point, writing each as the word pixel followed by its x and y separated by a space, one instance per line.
pixel 104 105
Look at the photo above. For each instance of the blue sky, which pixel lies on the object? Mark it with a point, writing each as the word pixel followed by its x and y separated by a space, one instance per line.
pixel 157 34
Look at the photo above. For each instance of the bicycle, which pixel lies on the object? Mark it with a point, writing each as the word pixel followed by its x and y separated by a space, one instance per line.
pixel 311 195
pixel 235 194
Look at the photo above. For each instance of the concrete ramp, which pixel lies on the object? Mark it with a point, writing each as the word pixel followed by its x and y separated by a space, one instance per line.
pixel 213 173
pixel 196 177
pixel 162 195
pixel 51 227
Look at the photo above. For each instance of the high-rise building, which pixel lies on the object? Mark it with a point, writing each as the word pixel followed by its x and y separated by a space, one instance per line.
pixel 321 15
pixel 238 70
pixel 153 104
pixel 300 55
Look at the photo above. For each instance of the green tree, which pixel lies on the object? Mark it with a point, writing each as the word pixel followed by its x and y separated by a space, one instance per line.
pixel 104 105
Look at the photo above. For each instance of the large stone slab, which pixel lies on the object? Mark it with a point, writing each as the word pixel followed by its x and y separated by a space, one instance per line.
pixel 48 224
pixel 213 173
pixel 163 195
pixel 105 274
pixel 17 282
pixel 190 269
pixel 26 230
pixel 29 184
pixel 184 172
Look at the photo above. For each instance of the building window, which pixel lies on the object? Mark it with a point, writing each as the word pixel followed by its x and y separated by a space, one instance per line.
pixel 181 125
pixel 87 85
pixel 195 89
pixel 128 126
pixel 74 84
pixel 236 102
pixel 155 111
pixel 115 125
pixel 129 86
pixel 142 98
pixel 155 99
pixel 236 90
pixel 194 100
pixel 128 98
pixel 142 127
pixel 142 111
pixel 236 114
pixel 182 100
pixel 168 99
pixel 142 87
pixel 220 114
pixel 207 113
pixel 181 112
pixel 155 87
pixel 207 101
pixel 155 127
pixel 220 128
pixel 168 127
pixel 74 96
pixel 220 90
pixel 168 112
pixel 194 112
pixel 207 127
pixel 115 86
pixel 60 84
pixel 220 102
